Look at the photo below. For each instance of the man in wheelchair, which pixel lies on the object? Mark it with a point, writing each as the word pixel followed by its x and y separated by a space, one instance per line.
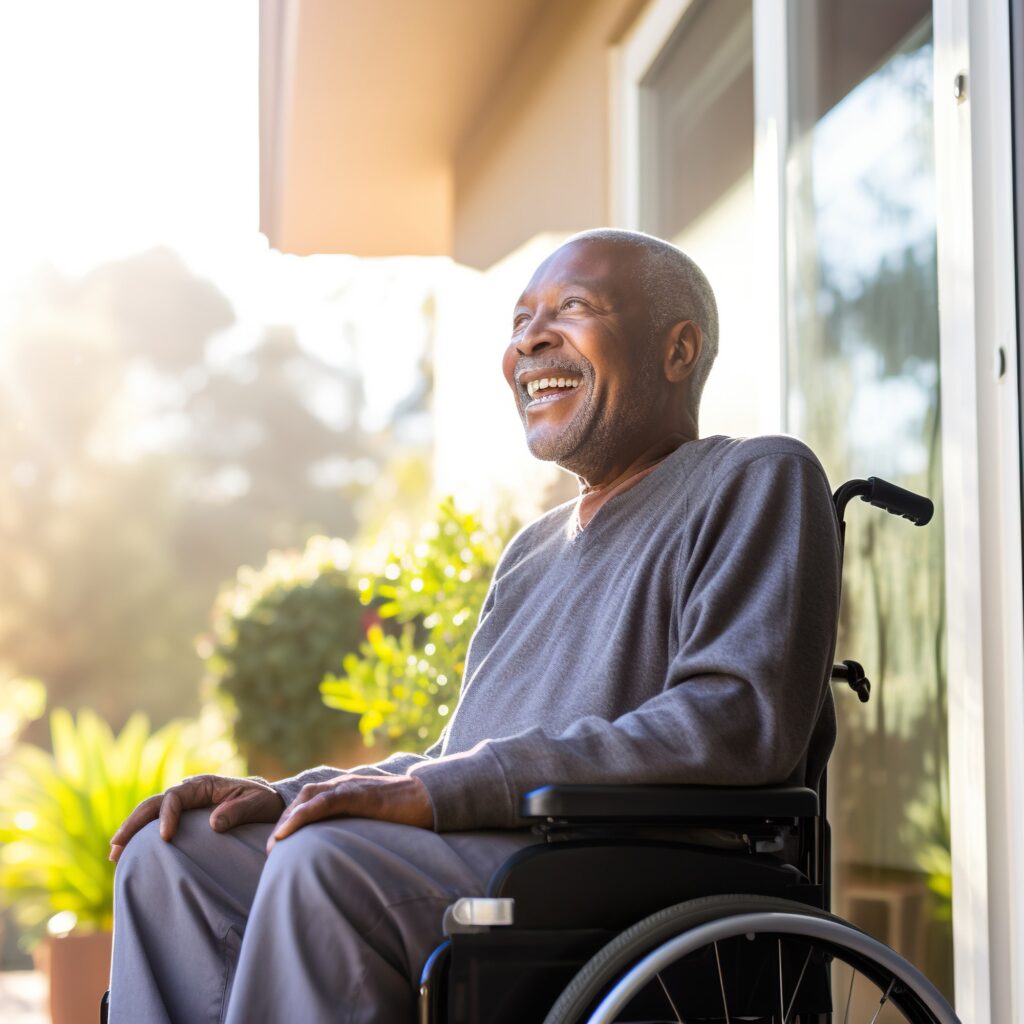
pixel 675 624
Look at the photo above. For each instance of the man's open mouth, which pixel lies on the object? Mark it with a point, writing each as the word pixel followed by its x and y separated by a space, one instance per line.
pixel 548 389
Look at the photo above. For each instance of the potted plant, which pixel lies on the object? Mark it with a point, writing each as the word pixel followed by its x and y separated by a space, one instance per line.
pixel 57 813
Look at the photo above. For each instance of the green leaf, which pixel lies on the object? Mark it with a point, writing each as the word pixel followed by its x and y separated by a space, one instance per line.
pixel 58 811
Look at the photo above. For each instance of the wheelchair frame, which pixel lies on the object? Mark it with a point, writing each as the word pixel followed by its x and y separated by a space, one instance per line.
pixel 658 836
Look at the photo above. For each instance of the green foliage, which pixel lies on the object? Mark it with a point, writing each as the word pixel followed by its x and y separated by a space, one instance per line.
pixel 928 831
pixel 277 632
pixel 58 811
pixel 404 683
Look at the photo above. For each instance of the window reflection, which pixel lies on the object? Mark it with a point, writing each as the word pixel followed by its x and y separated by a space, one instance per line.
pixel 863 390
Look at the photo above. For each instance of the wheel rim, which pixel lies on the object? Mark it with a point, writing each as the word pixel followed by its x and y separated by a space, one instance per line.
pixel 874 960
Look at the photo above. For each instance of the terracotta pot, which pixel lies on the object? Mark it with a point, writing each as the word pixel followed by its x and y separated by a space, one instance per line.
pixel 78 968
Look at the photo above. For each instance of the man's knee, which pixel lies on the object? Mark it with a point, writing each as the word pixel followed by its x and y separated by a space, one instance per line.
pixel 142 851
pixel 356 866
pixel 149 859
pixel 315 854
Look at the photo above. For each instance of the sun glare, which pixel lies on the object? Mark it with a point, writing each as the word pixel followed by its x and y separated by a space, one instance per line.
pixel 127 124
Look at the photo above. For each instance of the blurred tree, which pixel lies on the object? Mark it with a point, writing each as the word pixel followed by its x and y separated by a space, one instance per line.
pixel 142 460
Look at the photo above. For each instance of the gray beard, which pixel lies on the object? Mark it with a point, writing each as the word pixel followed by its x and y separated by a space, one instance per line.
pixel 583 446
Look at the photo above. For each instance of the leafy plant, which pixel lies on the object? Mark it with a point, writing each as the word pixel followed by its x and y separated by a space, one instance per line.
pixel 58 811
pixel 277 632
pixel 404 683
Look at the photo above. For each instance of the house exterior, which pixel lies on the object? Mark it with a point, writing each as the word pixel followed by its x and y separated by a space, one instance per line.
pixel 844 170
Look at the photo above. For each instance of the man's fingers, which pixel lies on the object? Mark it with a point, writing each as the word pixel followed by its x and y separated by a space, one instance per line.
pixel 146 812
pixel 314 807
pixel 228 815
pixel 309 791
pixel 235 802
pixel 242 808
pixel 170 814
pixel 186 796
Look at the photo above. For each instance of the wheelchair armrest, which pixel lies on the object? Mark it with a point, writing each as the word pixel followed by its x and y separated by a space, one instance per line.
pixel 668 803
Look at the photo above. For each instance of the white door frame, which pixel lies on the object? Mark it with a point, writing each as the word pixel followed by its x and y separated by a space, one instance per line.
pixel 981 435
pixel 631 61
pixel 981 468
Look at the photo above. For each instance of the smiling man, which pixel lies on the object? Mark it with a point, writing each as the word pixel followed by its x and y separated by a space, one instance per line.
pixel 673 624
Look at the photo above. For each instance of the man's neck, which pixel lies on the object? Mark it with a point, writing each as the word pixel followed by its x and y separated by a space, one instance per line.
pixel 629 466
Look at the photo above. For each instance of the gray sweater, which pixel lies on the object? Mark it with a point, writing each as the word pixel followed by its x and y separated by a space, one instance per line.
pixel 685 636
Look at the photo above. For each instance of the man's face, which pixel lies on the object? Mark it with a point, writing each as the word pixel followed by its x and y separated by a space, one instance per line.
pixel 580 362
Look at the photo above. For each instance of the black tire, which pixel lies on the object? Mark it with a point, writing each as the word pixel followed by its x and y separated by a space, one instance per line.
pixel 919 1001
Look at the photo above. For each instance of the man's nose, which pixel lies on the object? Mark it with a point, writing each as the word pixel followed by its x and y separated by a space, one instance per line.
pixel 537 337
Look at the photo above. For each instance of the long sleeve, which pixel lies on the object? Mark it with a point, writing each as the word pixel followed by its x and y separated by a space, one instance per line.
pixel 752 630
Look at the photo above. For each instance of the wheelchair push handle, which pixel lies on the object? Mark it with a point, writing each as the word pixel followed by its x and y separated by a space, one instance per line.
pixel 882 494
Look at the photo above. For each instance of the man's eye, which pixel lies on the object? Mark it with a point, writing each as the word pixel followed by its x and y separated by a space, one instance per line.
pixel 520 321
pixel 570 303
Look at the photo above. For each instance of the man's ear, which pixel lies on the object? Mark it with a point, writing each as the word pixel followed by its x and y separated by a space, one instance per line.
pixel 682 352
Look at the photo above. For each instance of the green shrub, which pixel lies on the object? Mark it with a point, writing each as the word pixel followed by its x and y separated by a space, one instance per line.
pixel 404 683
pixel 276 632
pixel 58 811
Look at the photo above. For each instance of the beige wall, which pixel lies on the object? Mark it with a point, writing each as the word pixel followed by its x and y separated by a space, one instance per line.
pixel 362 103
pixel 536 157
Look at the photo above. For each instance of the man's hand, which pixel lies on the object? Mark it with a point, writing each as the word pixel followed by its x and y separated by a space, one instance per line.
pixel 399 798
pixel 234 802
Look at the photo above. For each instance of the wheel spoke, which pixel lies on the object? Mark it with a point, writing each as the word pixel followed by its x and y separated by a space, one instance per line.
pixel 883 1001
pixel 782 1001
pixel 721 985
pixel 792 999
pixel 669 998
pixel 849 995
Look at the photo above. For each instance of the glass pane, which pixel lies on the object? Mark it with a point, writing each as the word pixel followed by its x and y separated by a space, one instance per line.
pixel 697 189
pixel 863 391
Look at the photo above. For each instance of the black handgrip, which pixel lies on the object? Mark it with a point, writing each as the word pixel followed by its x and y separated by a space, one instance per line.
pixel 899 501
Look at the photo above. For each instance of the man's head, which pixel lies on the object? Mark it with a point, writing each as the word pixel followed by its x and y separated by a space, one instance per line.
pixel 623 327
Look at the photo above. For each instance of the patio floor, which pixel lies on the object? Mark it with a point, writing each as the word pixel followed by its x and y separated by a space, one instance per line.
pixel 23 998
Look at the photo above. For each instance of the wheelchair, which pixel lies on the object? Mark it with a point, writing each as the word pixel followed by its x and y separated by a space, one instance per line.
pixel 676 904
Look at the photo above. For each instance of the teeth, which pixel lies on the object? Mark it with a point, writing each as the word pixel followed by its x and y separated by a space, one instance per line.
pixel 550 382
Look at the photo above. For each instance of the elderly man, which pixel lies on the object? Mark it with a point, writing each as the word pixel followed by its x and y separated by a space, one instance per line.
pixel 673 624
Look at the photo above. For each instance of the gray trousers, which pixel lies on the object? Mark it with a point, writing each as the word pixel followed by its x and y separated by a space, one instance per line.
pixel 334 926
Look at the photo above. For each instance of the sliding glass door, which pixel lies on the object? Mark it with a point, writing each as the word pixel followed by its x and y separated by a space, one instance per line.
pixel 862 386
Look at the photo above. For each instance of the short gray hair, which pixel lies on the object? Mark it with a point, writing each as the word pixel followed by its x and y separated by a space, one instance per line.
pixel 676 290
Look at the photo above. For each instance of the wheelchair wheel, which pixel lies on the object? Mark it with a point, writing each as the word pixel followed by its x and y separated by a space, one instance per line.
pixel 732 958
